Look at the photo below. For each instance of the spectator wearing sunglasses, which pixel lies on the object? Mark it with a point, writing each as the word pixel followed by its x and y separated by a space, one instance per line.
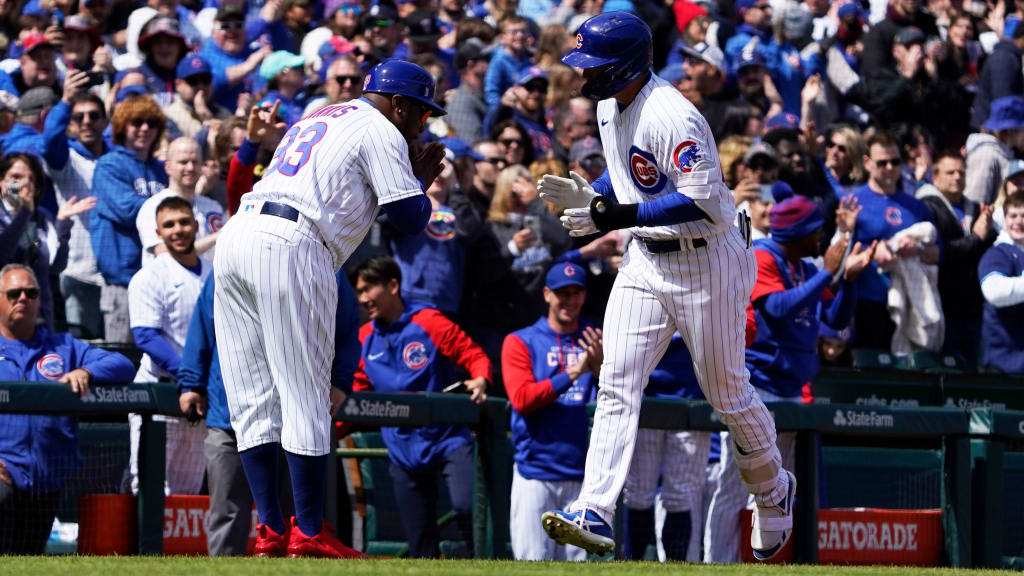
pixel 123 179
pixel 38 453
pixel 586 158
pixel 29 234
pixel 885 210
pixel 232 60
pixel 74 143
pixel 344 82
pixel 193 106
pixel 383 29
pixel 525 103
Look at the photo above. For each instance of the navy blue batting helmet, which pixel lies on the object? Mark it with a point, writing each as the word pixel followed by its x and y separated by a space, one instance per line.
pixel 405 79
pixel 618 40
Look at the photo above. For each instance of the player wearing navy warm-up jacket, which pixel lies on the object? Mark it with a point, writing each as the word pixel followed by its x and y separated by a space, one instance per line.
pixel 410 348
pixel 548 375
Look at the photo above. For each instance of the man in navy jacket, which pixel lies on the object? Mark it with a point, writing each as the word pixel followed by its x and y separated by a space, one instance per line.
pixel 412 348
pixel 38 453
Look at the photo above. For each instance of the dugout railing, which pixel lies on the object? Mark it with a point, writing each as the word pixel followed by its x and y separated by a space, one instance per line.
pixel 966 421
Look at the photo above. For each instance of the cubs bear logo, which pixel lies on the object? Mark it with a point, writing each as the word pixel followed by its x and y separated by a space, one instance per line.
pixel 569 270
pixel 441 225
pixel 686 156
pixel 579 41
pixel 644 171
pixel 893 216
pixel 415 355
pixel 214 222
pixel 50 366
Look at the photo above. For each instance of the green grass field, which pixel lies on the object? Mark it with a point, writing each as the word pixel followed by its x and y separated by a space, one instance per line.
pixel 182 566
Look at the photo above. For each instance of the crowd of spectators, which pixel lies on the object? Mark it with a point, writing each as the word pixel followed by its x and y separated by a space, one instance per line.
pixel 900 121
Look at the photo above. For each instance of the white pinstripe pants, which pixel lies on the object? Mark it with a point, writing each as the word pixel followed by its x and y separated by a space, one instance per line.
pixel 274 307
pixel 703 294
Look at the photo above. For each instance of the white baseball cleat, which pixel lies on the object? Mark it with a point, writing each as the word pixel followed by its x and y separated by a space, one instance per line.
pixel 585 529
pixel 773 525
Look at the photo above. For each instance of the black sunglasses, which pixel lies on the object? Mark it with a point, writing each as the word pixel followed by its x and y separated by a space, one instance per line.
pixel 496 161
pixel 839 147
pixel 536 87
pixel 355 79
pixel 91 115
pixel 510 141
pixel 199 79
pixel 230 25
pixel 15 293
pixel 888 162
pixel 138 122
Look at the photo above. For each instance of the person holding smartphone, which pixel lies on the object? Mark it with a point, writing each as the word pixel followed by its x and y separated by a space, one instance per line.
pixel 29 234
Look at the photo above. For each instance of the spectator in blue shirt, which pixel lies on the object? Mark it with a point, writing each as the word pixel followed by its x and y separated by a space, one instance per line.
pixel 123 179
pixel 38 453
pixel 1002 283
pixel 231 59
pixel 422 31
pixel 510 60
pixel 283 73
pixel 37 67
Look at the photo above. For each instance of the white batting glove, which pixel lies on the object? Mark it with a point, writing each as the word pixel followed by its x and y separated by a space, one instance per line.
pixel 578 222
pixel 572 192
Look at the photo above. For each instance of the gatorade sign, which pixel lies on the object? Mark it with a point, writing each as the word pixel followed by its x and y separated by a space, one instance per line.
pixel 868 536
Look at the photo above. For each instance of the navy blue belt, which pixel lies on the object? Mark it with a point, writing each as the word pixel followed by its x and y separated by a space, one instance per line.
pixel 666 246
pixel 280 210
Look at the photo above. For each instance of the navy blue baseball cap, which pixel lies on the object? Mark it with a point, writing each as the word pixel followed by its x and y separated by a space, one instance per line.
pixel 1006 113
pixel 749 58
pixel 192 66
pixel 129 91
pixel 565 274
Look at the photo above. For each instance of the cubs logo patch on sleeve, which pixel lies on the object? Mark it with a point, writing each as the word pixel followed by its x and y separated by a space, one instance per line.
pixel 643 169
pixel 686 156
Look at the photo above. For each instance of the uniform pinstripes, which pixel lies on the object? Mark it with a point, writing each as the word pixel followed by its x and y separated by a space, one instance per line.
pixel 360 163
pixel 679 458
pixel 163 295
pixel 278 309
pixel 276 294
pixel 701 293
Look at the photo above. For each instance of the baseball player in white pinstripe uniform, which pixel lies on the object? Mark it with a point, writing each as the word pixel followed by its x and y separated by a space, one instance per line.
pixel 689 269
pixel 161 297
pixel 276 294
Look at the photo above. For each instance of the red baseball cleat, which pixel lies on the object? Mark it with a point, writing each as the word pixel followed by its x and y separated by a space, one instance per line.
pixel 323 545
pixel 269 544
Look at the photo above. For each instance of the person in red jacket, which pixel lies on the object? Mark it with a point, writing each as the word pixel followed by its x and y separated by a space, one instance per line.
pixel 413 348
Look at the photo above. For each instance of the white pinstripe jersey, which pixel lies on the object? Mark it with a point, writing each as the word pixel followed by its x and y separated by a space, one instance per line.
pixel 162 295
pixel 208 212
pixel 659 145
pixel 336 166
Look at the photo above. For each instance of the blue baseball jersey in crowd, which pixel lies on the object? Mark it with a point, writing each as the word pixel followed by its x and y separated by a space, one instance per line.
pixel 673 377
pixel 784 353
pixel 121 184
pixel 432 262
pixel 223 92
pixel 549 416
pixel 418 353
pixel 502 73
pixel 200 364
pixel 881 217
pixel 40 452
pixel 1003 328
